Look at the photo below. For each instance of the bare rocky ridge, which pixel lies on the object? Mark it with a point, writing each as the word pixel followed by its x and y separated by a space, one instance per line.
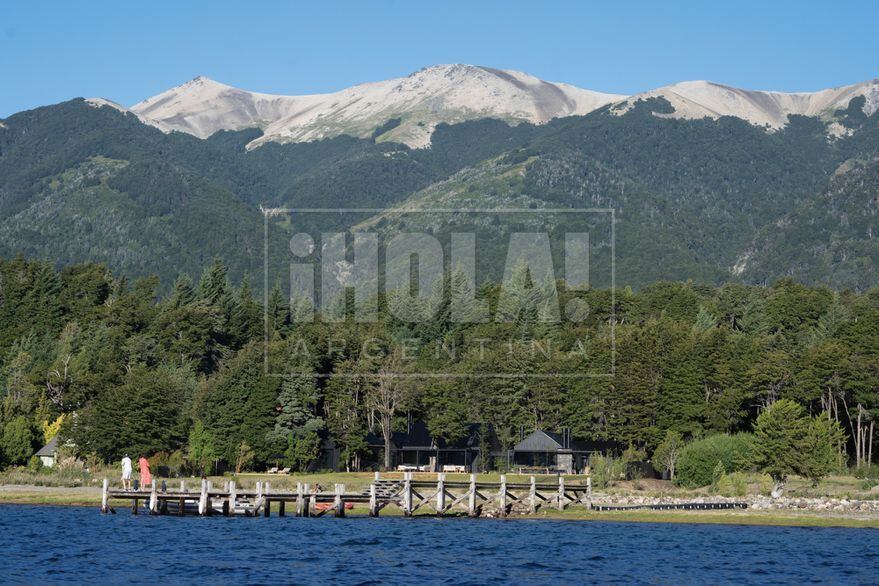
pixel 706 99
pixel 456 93
pixel 444 93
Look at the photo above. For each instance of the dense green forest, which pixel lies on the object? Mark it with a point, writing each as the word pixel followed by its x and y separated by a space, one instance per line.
pixel 123 365
pixel 714 201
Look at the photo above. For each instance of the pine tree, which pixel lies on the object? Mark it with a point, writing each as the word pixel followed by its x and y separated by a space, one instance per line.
pixel 183 293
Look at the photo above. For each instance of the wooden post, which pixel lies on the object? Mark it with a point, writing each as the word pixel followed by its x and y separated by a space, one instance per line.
pixel 267 508
pixel 312 501
pixel 202 496
pixel 134 507
pixel 282 508
pixel 233 498
pixel 338 503
pixel 105 496
pixel 471 497
pixel 502 496
pixel 154 499
pixel 373 500
pixel 532 497
pixel 182 510
pixel 561 497
pixel 589 492
pixel 300 502
pixel 440 494
pixel 407 495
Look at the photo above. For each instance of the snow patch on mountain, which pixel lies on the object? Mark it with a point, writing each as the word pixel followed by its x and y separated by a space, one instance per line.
pixel 457 93
pixel 706 99
pixel 422 100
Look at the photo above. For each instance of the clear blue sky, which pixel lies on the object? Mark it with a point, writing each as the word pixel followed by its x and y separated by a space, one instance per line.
pixel 126 51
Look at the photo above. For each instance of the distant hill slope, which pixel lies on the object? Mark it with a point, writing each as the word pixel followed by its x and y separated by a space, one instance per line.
pixel 710 199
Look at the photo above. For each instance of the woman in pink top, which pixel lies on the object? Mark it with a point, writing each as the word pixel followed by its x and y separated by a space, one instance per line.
pixel 145 478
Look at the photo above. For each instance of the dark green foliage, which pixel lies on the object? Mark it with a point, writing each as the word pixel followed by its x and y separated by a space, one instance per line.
pixel 700 459
pixel 787 441
pixel 237 405
pixel 696 199
pixel 142 416
pixel 139 369
pixel 18 440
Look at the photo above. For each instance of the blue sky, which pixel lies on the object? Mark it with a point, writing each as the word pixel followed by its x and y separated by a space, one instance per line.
pixel 53 51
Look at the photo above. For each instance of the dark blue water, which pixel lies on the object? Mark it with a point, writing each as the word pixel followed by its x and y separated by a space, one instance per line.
pixel 55 544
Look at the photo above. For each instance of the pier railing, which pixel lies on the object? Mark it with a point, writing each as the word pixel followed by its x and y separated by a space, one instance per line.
pixel 440 497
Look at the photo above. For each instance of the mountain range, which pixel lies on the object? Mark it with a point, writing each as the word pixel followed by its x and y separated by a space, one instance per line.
pixel 455 93
pixel 710 182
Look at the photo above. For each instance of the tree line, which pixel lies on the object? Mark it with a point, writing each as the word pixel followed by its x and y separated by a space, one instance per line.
pixel 203 373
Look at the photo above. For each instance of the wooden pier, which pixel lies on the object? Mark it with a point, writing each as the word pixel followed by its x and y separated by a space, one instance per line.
pixel 440 497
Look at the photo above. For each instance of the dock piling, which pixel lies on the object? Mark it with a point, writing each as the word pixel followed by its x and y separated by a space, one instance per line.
pixel 338 502
pixel 373 501
pixel 471 497
pixel 267 509
pixel 203 498
pixel 502 496
pixel 407 494
pixel 440 494
pixel 154 499
pixel 532 496
pixel 561 497
pixel 105 505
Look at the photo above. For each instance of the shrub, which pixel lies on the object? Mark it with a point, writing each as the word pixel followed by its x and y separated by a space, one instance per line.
pixel 699 459
pixel 632 461
pixel 866 472
pixel 18 440
pixel 735 484
pixel 789 441
pixel 665 457
pixel 35 465
pixel 605 470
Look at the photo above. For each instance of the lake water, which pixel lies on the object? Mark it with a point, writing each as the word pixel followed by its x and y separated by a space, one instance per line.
pixel 56 544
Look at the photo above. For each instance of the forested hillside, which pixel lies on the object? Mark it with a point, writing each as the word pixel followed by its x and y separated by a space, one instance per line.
pixel 711 200
pixel 122 368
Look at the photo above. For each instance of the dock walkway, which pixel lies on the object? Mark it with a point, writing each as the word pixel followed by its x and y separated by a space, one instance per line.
pixel 440 497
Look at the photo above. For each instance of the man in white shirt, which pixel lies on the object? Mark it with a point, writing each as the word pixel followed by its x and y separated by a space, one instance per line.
pixel 126 472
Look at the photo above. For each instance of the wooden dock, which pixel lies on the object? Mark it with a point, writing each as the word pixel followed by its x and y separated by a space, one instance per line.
pixel 440 497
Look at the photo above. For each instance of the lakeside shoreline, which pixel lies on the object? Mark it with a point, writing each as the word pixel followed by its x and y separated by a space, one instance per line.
pixel 29 495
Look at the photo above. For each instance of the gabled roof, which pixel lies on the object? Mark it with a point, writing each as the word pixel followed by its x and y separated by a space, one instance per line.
pixel 540 441
pixel 50 448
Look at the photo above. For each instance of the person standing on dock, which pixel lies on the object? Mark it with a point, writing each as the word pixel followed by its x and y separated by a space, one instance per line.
pixel 146 478
pixel 126 473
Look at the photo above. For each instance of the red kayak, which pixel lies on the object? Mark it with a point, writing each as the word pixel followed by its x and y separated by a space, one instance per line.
pixel 329 506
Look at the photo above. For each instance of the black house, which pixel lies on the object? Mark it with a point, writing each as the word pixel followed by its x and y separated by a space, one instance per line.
pixel 415 449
